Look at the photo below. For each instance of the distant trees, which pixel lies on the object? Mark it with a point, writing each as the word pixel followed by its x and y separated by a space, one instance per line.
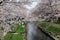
pixel 47 10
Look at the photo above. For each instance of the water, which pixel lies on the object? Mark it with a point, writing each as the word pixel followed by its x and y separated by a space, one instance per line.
pixel 31 31
pixel 35 33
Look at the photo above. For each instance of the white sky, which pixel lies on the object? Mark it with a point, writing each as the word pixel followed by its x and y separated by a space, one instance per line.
pixel 32 5
pixel 1 0
pixel 17 0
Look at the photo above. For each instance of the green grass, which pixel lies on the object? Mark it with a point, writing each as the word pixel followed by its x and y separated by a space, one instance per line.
pixel 54 29
pixel 17 29
pixel 20 29
pixel 50 28
pixel 10 36
pixel 17 37
pixel 43 25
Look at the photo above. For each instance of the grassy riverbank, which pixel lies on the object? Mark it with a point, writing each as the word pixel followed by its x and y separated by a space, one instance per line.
pixel 50 27
pixel 16 33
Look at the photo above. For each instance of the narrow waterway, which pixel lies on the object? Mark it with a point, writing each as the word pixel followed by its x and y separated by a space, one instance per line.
pixel 35 33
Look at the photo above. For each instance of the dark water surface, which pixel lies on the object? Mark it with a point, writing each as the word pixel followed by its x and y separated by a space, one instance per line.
pixel 35 33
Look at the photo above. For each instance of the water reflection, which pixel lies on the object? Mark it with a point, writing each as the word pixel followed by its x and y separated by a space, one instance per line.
pixel 31 31
pixel 35 33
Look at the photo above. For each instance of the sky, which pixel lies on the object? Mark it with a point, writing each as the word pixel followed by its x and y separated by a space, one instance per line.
pixel 32 5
